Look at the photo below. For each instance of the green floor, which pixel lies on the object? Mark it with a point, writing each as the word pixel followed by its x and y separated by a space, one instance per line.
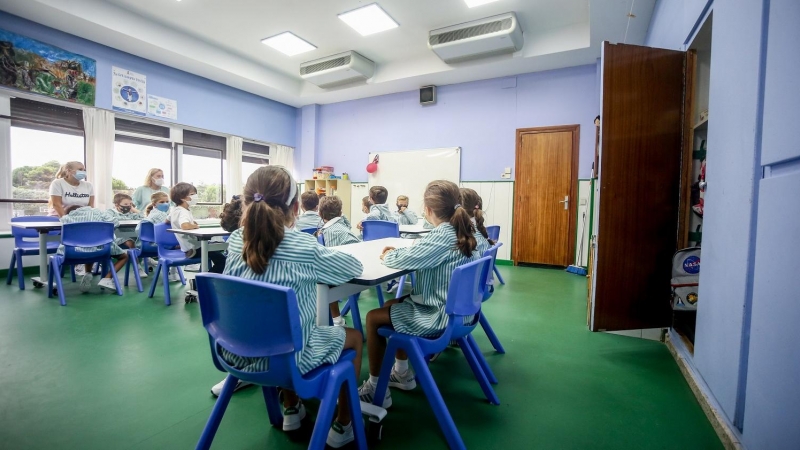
pixel 127 372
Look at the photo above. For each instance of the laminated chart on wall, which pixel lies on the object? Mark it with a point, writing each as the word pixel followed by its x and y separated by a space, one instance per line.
pixel 409 172
pixel 162 108
pixel 128 92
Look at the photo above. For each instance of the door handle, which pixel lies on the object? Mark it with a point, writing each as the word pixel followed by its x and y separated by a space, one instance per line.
pixel 565 202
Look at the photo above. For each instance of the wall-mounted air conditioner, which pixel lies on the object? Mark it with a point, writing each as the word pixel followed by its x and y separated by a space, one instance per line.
pixel 477 39
pixel 338 69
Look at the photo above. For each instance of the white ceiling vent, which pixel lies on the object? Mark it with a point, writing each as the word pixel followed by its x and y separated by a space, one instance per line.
pixel 338 69
pixel 477 39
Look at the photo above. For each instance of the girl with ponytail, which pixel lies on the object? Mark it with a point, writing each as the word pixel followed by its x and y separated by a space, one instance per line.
pixel 474 204
pixel 434 257
pixel 268 248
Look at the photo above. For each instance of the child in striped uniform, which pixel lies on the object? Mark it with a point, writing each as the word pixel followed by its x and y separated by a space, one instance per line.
pixel 268 248
pixel 310 217
pixel 378 209
pixel 474 204
pixel 156 212
pixel 75 214
pixel 335 232
pixel 434 257
pixel 404 215
pixel 124 210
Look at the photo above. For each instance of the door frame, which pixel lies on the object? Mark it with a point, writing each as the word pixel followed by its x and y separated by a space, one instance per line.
pixel 573 188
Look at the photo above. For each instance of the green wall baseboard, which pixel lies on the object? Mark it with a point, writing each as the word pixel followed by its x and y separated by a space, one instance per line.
pixel 32 270
pixel 504 262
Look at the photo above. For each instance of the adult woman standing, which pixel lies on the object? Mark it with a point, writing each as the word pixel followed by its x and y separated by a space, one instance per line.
pixel 153 182
pixel 70 188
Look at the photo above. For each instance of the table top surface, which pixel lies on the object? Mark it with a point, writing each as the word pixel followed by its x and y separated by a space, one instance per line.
pixel 417 228
pixel 56 225
pixel 369 253
pixel 202 233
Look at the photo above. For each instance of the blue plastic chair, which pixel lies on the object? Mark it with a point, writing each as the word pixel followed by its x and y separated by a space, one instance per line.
pixel 99 236
pixel 464 297
pixel 492 253
pixel 30 247
pixel 494 234
pixel 310 231
pixel 381 229
pixel 321 239
pixel 169 255
pixel 256 319
pixel 149 249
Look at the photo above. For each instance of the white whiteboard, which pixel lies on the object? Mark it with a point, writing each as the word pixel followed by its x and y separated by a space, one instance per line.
pixel 409 172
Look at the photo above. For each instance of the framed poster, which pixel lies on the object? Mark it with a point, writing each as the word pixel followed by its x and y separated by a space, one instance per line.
pixel 30 65
pixel 161 107
pixel 128 92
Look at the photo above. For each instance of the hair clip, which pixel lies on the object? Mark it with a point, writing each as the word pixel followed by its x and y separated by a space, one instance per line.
pixel 236 197
pixel 257 197
pixel 458 205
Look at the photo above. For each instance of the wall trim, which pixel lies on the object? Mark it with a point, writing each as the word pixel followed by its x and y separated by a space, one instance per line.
pixel 727 433
pixel 28 270
pixel 503 262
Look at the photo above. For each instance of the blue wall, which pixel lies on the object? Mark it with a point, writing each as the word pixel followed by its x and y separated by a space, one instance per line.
pixel 481 117
pixel 673 22
pixel 202 103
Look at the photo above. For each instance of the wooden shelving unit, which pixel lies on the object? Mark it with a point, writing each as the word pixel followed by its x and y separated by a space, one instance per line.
pixel 338 187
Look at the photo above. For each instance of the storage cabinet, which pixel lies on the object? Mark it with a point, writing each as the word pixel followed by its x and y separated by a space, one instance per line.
pixel 338 187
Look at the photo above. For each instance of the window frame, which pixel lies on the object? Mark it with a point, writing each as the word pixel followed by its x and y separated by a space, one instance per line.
pixel 180 149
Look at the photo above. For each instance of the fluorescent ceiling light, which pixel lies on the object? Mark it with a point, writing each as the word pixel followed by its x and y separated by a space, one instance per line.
pixel 288 44
pixel 474 3
pixel 368 20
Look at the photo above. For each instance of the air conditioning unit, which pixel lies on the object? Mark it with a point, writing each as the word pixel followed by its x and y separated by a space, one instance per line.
pixel 477 39
pixel 338 69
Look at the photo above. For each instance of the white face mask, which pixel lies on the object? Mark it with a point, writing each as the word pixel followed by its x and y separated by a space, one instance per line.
pixel 192 200
pixel 158 181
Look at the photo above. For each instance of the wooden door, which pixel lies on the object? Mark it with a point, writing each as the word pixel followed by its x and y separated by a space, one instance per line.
pixel 640 172
pixel 545 195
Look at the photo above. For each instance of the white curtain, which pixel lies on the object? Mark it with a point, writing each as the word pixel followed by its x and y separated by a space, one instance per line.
pixel 233 184
pixel 281 155
pixel 98 125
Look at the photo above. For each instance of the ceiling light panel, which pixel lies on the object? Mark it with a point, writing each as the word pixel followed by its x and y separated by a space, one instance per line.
pixel 288 44
pixel 474 3
pixel 368 20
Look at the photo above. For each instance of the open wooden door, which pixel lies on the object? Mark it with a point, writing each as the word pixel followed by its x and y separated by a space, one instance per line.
pixel 639 177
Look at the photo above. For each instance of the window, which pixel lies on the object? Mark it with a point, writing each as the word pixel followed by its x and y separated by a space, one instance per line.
pixel 43 137
pixel 203 164
pixel 139 147
pixel 253 156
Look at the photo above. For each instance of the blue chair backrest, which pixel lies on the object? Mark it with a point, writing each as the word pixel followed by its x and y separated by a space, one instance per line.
pixel 164 239
pixel 251 319
pixel 310 231
pixel 379 229
pixel 20 234
pixel 494 232
pixel 321 239
pixel 492 253
pixel 147 232
pixel 97 236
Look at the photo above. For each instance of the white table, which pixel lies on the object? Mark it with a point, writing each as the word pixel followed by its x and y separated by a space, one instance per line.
pixel 44 228
pixel 204 235
pixel 417 228
pixel 375 273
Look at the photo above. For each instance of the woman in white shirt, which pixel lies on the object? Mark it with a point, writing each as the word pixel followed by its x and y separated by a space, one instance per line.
pixel 153 182
pixel 70 188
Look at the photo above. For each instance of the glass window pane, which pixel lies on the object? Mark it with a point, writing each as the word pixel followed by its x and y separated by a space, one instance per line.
pixel 133 161
pixel 248 168
pixel 204 170
pixel 35 159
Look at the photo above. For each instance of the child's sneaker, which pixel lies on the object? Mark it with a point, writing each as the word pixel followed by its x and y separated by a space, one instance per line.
pixel 142 273
pixel 339 321
pixel 107 283
pixel 366 394
pixel 391 286
pixel 293 416
pixel 86 282
pixel 173 274
pixel 340 435
pixel 217 389
pixel 405 381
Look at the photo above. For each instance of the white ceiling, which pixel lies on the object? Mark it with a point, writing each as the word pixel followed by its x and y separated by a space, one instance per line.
pixel 220 40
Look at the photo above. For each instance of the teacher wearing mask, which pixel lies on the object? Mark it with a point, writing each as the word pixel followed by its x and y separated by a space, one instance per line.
pixel 70 188
pixel 153 182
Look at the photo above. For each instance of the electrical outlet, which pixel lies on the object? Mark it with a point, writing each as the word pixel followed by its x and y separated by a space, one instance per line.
pixel 505 175
pixel 508 171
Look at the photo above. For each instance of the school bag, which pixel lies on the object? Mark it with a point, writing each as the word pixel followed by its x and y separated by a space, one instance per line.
pixel 685 279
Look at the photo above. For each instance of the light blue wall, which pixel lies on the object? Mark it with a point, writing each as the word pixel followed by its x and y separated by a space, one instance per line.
pixel 202 103
pixel 673 22
pixel 480 117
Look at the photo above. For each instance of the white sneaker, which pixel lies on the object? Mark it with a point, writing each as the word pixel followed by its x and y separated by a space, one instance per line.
pixel 193 267
pixel 339 321
pixel 173 275
pixel 405 381
pixel 107 283
pixel 80 270
pixel 86 282
pixel 293 416
pixel 217 389
pixel 366 394
pixel 340 435
pixel 142 273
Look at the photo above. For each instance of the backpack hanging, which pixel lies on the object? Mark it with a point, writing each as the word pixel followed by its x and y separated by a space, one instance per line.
pixel 685 279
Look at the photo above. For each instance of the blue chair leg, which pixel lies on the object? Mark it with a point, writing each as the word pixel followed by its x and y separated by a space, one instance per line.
pixel 346 308
pixel 110 265
pixel 490 334
pixel 386 369
pixel 355 410
pixel 469 354
pixel 352 302
pixel 481 360
pixel 54 268
pixel 380 295
pixel 413 279
pixel 165 276
pixel 128 267
pixel 20 269
pixel 400 285
pixel 327 406
pixel 72 271
pixel 216 414
pixel 273 405
pixel 180 274
pixel 156 273
pixel 436 401
pixel 499 277
pixel 10 274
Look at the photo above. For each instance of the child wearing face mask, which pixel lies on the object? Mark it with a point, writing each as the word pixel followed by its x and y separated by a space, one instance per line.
pixel 184 195
pixel 156 212
pixel 404 215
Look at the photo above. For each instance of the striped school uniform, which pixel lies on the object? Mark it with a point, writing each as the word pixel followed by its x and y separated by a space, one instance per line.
pixel 298 263
pixel 381 212
pixel 337 232
pixel 483 243
pixel 89 214
pixel 434 257
pixel 155 217
pixel 309 219
pixel 125 216
pixel 407 217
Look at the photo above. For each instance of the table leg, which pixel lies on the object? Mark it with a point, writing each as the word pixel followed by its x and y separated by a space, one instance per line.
pixel 41 280
pixel 327 295
pixel 203 256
